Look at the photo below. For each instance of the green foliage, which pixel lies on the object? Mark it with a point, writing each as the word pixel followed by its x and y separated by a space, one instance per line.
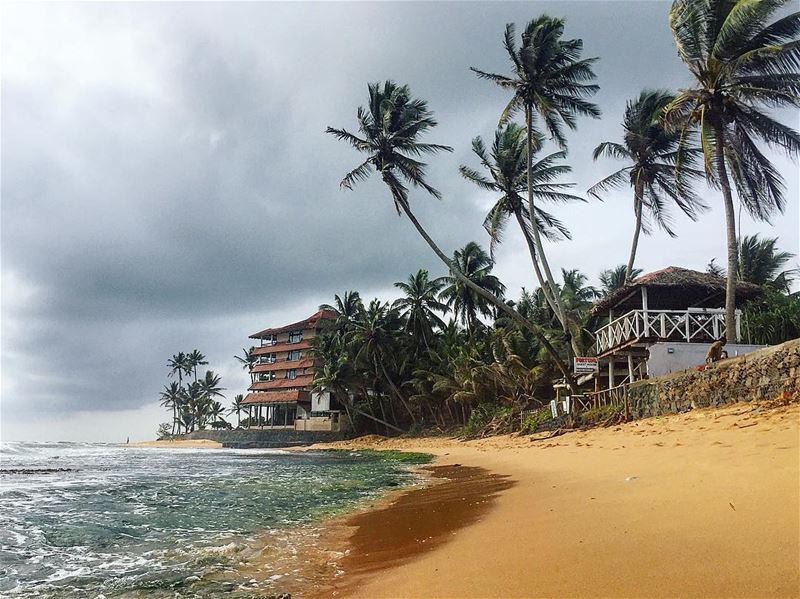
pixel 483 415
pixel 532 422
pixel 164 431
pixel 773 318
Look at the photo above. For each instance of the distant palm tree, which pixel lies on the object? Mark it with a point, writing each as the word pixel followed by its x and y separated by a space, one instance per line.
pixel 196 359
pixel 761 263
pixel 171 398
pixel 237 407
pixel 615 278
pixel 420 305
pixel 216 411
pixel 391 126
pixel 652 154
pixel 196 406
pixel 179 364
pixel 248 358
pixel 505 173
pixel 347 308
pixel 549 80
pixel 742 59
pixel 466 304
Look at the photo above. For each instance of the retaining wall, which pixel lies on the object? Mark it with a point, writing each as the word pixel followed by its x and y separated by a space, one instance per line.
pixel 769 373
pixel 243 438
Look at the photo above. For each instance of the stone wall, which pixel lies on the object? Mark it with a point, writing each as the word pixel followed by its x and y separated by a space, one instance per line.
pixel 288 437
pixel 769 373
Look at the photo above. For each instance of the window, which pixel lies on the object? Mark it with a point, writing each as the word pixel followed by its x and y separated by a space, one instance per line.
pixel 295 336
pixel 269 340
pixel 294 355
pixel 266 376
pixel 267 359
pixel 291 374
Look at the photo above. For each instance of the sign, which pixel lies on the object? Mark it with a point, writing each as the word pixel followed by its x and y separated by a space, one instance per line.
pixel 583 365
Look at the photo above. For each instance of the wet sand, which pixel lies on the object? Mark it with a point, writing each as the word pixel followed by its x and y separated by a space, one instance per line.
pixel 704 504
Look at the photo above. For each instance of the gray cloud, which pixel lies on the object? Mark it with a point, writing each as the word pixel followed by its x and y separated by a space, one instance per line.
pixel 167 183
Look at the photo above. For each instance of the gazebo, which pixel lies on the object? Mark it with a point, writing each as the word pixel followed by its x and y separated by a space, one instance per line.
pixel 668 316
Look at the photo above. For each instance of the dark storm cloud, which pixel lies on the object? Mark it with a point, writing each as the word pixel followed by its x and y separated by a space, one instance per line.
pixel 167 183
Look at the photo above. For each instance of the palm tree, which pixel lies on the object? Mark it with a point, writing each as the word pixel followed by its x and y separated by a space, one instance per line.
pixel 216 410
pixel 374 335
pixel 195 406
pixel 179 364
pixel 196 359
pixel 761 263
pixel 549 80
pixel 347 308
pixel 420 305
pixel 652 154
pixel 615 278
pixel 248 358
pixel 742 61
pixel 171 398
pixel 466 304
pixel 506 174
pixel 391 126
pixel 237 407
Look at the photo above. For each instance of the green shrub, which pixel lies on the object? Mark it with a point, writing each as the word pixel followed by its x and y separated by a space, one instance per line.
pixel 533 421
pixel 594 416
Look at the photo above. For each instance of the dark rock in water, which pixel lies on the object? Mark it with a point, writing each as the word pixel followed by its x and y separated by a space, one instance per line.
pixel 35 470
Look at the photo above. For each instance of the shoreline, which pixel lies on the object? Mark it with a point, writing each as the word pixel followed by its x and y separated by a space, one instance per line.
pixel 698 504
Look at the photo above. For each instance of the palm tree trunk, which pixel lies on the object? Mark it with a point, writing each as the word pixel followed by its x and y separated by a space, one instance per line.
pixel 730 228
pixel 532 251
pixel 637 207
pixel 491 298
pixel 395 390
pixel 559 306
pixel 174 417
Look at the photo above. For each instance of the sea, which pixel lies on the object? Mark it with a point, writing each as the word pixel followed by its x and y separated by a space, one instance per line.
pixel 108 521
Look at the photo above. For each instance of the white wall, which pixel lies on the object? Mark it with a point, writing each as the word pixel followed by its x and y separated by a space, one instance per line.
pixel 686 355
pixel 320 402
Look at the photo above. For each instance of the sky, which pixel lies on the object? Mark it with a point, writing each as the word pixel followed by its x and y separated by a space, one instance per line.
pixel 167 184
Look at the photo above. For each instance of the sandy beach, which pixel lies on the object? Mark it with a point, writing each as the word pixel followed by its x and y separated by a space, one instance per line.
pixel 703 504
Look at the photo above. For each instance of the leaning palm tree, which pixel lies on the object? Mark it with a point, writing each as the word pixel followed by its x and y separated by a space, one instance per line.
pixel 390 128
pixel 652 154
pixel 549 80
pixel 420 305
pixel 743 60
pixel 466 304
pixel 505 174
pixel 196 359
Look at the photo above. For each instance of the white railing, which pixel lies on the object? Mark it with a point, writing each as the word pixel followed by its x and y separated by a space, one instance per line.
pixel 693 325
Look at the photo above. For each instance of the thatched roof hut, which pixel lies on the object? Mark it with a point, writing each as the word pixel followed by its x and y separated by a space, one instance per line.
pixel 673 288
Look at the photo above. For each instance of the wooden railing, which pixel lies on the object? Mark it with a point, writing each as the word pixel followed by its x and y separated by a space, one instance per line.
pixel 693 325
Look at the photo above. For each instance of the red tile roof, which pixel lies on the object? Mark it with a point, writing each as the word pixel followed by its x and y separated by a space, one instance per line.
pixel 300 381
pixel 307 323
pixel 296 396
pixel 284 365
pixel 281 347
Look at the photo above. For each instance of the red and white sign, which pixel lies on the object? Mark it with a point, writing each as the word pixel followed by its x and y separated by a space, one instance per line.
pixel 584 365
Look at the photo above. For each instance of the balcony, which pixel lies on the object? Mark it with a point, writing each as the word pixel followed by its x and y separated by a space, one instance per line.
pixel 695 325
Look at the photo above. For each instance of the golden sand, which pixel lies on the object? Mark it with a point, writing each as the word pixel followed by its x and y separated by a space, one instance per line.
pixel 703 504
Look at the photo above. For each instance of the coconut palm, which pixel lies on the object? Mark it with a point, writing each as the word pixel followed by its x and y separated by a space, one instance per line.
pixel 466 304
pixel 391 126
pixel 195 359
pixel 505 173
pixel 615 278
pixel 171 398
pixel 347 308
pixel 248 358
pixel 761 263
pixel 179 364
pixel 651 153
pixel 743 59
pixel 216 411
pixel 420 305
pixel 549 80
pixel 237 407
